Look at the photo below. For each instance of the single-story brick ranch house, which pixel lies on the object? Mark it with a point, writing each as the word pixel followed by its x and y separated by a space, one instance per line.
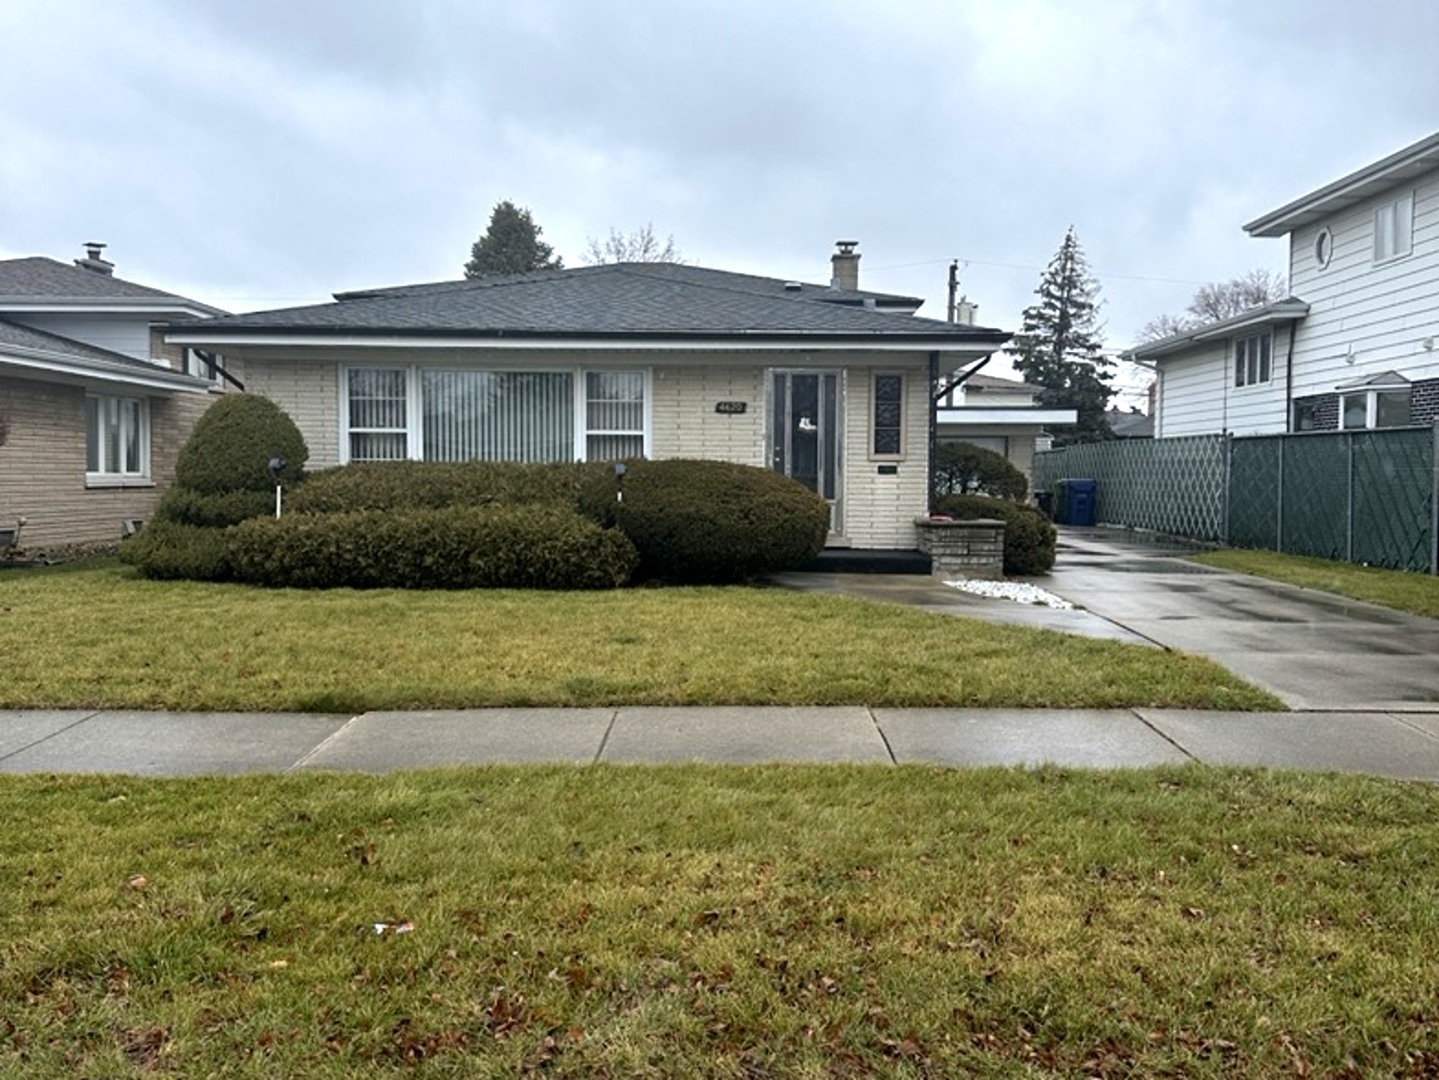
pixel 829 384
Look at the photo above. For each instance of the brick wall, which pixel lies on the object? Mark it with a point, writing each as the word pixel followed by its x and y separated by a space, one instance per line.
pixel 1424 402
pixel 42 463
pixel 684 423
pixel 309 390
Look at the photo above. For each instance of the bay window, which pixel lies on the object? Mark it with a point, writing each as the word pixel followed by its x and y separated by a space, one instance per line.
pixel 117 438
pixel 454 414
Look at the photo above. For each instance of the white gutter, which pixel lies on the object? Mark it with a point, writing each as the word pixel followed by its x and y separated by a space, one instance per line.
pixel 123 305
pixel 766 341
pixel 99 370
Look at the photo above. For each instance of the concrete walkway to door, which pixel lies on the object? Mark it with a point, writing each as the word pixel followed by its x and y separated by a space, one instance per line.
pixel 1313 650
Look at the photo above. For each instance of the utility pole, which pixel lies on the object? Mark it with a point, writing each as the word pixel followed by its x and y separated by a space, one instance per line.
pixel 953 286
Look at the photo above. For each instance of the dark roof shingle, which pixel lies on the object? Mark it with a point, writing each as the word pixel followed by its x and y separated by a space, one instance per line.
pixel 626 299
pixel 39 278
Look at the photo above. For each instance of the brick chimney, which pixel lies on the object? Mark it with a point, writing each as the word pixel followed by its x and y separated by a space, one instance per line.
pixel 846 266
pixel 93 261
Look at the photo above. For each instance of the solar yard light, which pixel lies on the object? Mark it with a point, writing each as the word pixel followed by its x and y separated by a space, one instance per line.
pixel 620 469
pixel 276 464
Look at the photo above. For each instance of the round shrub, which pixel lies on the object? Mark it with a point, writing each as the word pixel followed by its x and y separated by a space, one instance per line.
pixel 233 443
pixel 394 485
pixel 1029 538
pixel 461 547
pixel 213 511
pixel 961 468
pixel 170 550
pixel 710 521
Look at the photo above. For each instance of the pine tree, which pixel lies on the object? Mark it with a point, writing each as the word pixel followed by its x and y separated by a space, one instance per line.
pixel 511 245
pixel 1059 346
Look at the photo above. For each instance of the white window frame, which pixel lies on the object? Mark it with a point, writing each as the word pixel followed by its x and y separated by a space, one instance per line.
pixel 198 369
pixel 902 453
pixel 1371 406
pixel 1255 367
pixel 414 403
pixel 113 473
pixel 1394 229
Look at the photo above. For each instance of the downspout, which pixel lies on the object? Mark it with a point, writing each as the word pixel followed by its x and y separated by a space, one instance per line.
pixel 210 361
pixel 933 429
pixel 1289 382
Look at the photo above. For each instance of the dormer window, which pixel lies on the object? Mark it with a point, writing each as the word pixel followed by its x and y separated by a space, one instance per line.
pixel 1394 228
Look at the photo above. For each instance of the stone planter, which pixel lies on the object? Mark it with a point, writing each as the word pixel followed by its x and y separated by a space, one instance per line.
pixel 963 549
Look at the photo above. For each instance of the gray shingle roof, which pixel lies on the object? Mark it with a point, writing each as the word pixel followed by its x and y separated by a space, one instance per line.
pixel 617 300
pixel 39 278
pixel 25 337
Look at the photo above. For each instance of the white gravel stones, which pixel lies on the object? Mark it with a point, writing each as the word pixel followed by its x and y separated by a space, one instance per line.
pixel 1018 591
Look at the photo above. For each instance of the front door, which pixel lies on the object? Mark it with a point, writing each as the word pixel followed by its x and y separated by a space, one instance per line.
pixel 805 441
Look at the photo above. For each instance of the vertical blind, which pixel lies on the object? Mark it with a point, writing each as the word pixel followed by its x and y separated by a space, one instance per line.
pixel 377 415
pixel 614 415
pixel 498 416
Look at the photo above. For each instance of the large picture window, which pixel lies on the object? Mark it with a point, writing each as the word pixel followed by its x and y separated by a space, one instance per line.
pixel 448 414
pixel 117 438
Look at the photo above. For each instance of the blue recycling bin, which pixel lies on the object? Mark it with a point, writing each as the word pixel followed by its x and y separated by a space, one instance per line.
pixel 1079 499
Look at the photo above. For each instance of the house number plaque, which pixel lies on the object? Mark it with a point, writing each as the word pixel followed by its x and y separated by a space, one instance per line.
pixel 731 408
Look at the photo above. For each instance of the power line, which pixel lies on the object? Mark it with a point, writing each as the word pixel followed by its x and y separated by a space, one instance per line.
pixel 1039 269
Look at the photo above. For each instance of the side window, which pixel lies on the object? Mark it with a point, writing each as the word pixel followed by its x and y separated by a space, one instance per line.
pixel 1252 362
pixel 1394 228
pixel 117 438
pixel 379 414
pixel 888 416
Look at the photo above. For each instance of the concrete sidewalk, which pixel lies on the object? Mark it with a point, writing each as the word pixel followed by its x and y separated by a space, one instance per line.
pixel 1401 745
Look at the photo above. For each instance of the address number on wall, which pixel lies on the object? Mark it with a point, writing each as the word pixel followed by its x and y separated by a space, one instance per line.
pixel 731 408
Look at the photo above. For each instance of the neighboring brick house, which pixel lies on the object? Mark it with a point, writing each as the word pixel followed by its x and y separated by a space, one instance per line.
pixel 93 405
pixel 828 384
pixel 1358 350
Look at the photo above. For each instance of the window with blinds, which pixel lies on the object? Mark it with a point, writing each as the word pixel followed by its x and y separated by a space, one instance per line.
pixel 614 415
pixel 117 438
pixel 467 415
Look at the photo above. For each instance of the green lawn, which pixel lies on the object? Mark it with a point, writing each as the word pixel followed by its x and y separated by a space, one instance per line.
pixel 720 922
pixel 98 636
pixel 1399 589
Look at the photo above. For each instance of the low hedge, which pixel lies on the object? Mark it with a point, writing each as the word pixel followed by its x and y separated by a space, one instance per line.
pixel 459 547
pixel 1029 538
pixel 961 468
pixel 189 507
pixel 709 521
pixel 175 551
pixel 398 485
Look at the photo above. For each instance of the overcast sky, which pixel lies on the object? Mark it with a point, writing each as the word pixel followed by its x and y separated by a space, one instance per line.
pixel 271 152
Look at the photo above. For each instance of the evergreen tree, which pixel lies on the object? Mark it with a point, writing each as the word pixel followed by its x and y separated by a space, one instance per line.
pixel 511 245
pixel 1058 347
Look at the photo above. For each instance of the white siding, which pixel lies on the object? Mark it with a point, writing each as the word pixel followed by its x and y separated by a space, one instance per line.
pixel 1383 314
pixel 1197 395
pixel 121 333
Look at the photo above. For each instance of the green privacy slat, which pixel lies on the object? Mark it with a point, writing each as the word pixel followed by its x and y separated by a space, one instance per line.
pixel 1365 495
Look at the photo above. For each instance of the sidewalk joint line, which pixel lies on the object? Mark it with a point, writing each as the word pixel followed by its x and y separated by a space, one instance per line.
pixel 1172 742
pixel 882 736
pixel 46 738
pixel 605 738
pixel 331 737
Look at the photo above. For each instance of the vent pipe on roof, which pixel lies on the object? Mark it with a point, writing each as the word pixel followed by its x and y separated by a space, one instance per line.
pixel 93 261
pixel 845 262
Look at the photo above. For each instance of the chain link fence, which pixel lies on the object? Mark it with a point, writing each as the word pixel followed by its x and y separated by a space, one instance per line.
pixel 1361 496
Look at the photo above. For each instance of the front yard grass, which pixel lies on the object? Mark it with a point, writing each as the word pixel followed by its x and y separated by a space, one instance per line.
pixel 720 922
pixel 1402 590
pixel 100 637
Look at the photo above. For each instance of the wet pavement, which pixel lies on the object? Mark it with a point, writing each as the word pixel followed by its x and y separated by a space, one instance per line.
pixel 1313 650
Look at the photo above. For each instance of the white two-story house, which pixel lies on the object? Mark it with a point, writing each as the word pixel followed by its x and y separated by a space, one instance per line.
pixel 1354 346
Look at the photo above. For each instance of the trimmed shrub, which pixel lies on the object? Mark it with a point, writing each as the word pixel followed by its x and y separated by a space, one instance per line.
pixel 214 511
pixel 232 444
pixel 396 485
pixel 710 521
pixel 170 550
pixel 1029 538
pixel 960 468
pixel 460 547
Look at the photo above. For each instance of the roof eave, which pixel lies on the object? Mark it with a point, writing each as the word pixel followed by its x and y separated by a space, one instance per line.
pixel 45 361
pixel 1283 311
pixel 1388 172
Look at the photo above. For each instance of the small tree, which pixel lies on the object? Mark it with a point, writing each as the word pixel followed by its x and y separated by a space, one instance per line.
pixel 639 246
pixel 511 245
pixel 1059 345
pixel 961 468
pixel 1219 300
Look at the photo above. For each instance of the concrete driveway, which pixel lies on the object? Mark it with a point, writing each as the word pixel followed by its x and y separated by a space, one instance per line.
pixel 1312 649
